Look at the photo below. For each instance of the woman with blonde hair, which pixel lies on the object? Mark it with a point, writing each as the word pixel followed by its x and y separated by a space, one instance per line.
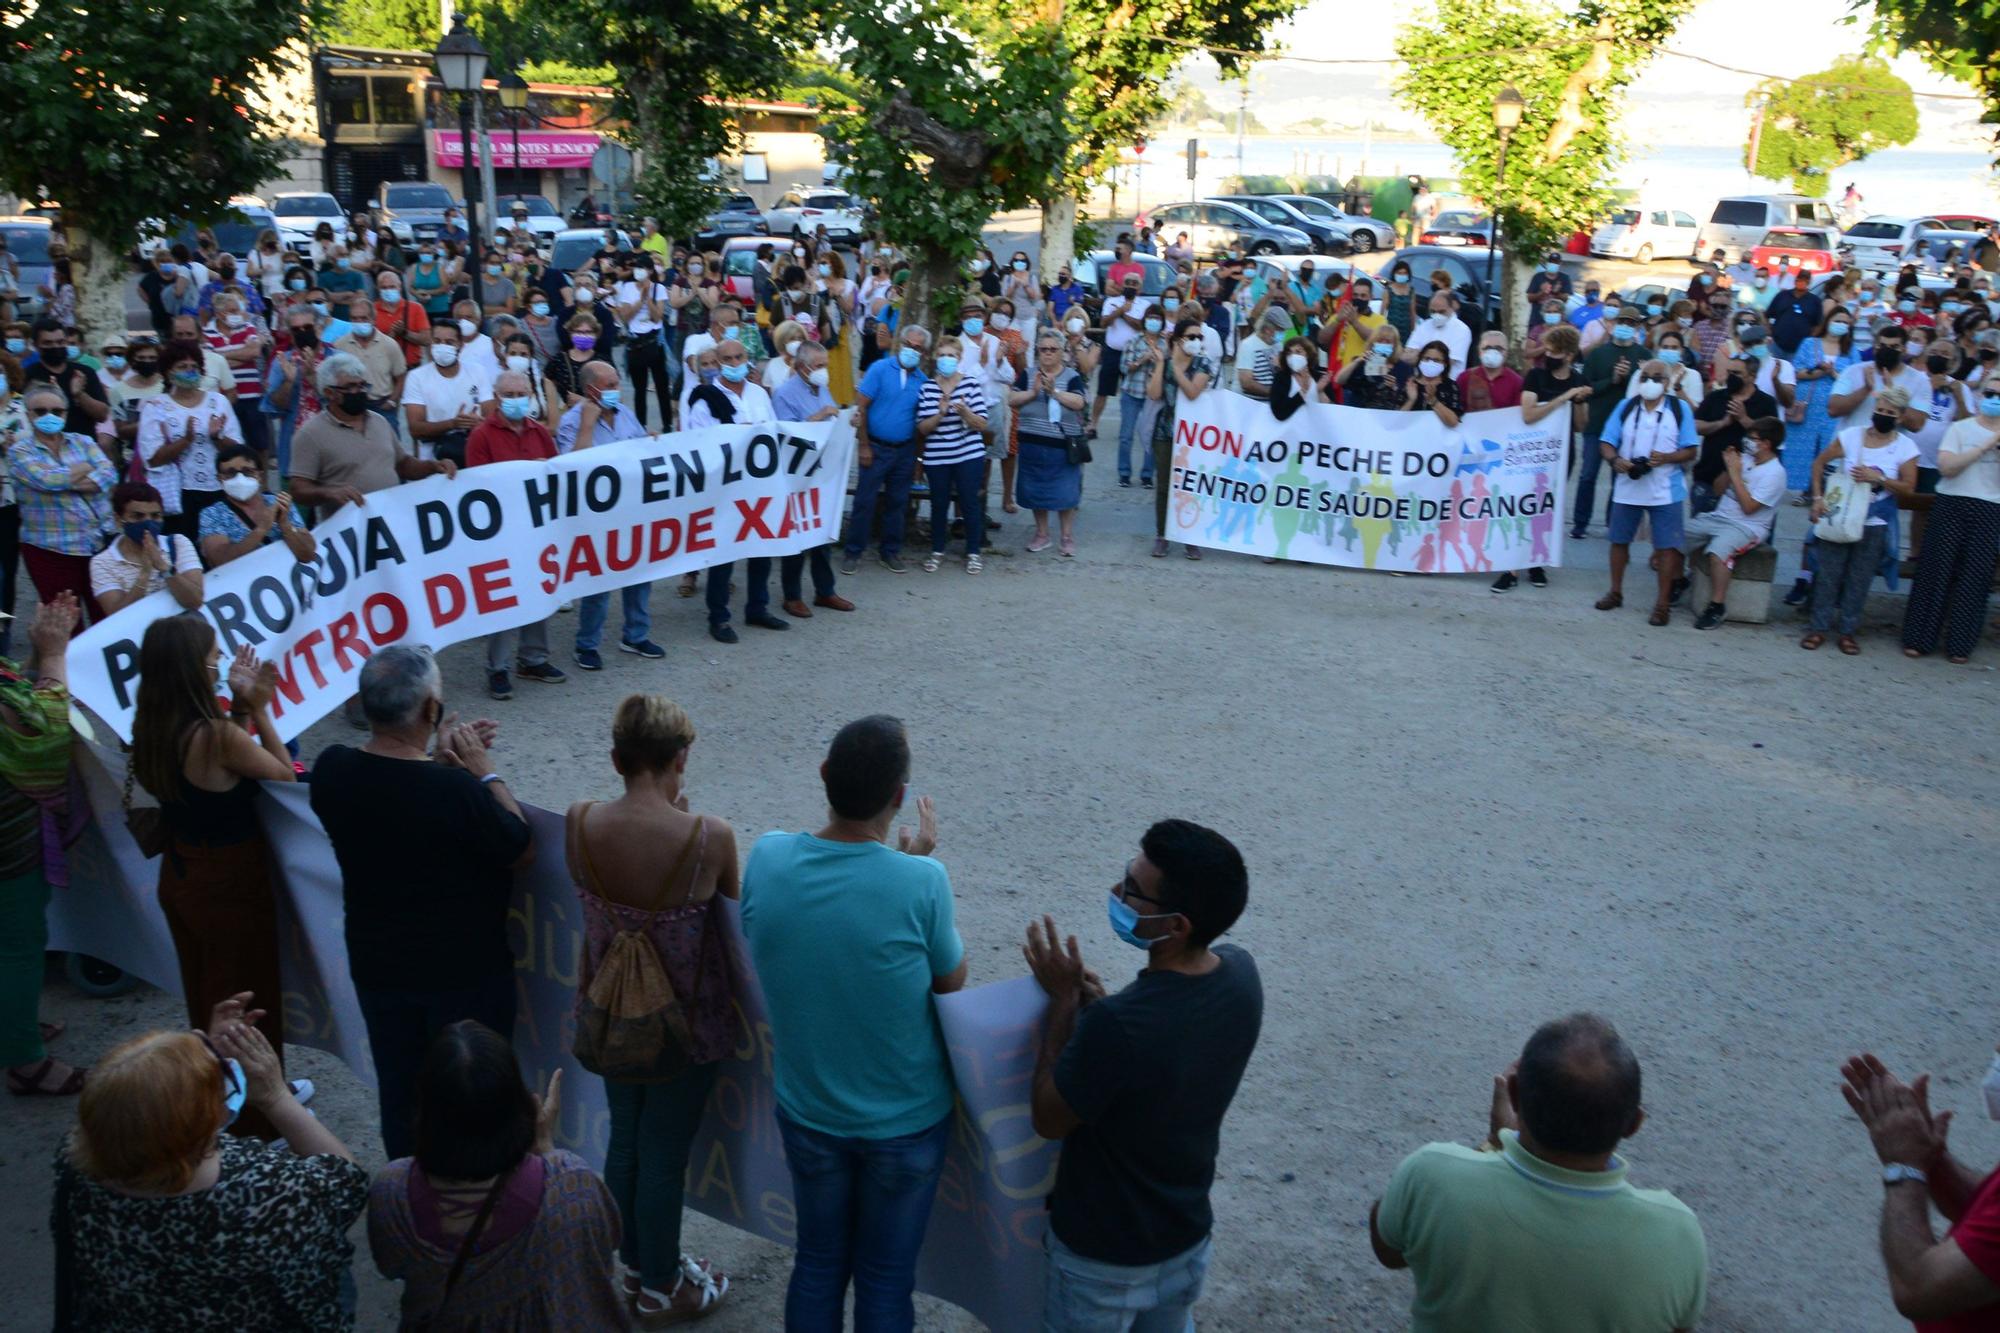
pixel 786 337
pixel 164 1223
pixel 625 884
pixel 836 322
pixel 1375 379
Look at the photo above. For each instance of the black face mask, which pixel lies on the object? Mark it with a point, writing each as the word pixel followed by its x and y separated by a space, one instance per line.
pixel 53 357
pixel 307 337
pixel 146 367
pixel 1734 382
pixel 1888 357
pixel 1884 422
pixel 1937 364
pixel 354 401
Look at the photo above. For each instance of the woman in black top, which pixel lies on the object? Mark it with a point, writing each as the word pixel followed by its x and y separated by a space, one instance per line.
pixel 203 768
pixel 1431 388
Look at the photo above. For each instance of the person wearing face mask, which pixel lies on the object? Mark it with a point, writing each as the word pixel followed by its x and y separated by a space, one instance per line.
pixel 429 282
pixel 1400 302
pixel 1821 359
pixel 14 428
pixel 600 416
pixel 1881 456
pixel 1646 440
pixel 177 438
pixel 1025 293
pixel 1946 399
pixel 1138 365
pixel 1376 379
pixel 1557 385
pixel 643 307
pixel 1606 369
pixel 805 396
pixel 290 395
pixel 1794 313
pixel 227 280
pixel 1298 380
pixel 475 348
pixel 885 422
pixel 1123 318
pixel 1852 402
pixel 1431 389
pixel 243 346
pixel 1491 383
pixel 1049 405
pixel 1945 1285
pixel 387 369
pixel 510 435
pixel 952 422
pixel 839 311
pixel 144 558
pixel 1550 283
pixel 400 317
pixel 164 288
pixel 339 274
pixel 62 483
pixel 444 401
pixel 565 372
pixel 123 393
pixel 1721 423
pixel 518 351
pixel 1446 327
pixel 1684 382
pixel 249 517
pixel 1752 485
pixel 215 372
pixel 89 403
pixel 1547 319
pixel 1962 537
pixel 1064 293
pixel 346 452
pixel 1135 1085
pixel 428 836
pixel 1183 375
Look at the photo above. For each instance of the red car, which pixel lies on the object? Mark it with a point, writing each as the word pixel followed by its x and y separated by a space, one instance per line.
pixel 1808 250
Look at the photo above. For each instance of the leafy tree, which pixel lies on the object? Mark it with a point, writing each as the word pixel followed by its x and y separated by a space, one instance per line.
pixel 1186 105
pixel 1571 67
pixel 1855 107
pixel 153 114
pixel 391 25
pixel 962 116
pixel 1954 37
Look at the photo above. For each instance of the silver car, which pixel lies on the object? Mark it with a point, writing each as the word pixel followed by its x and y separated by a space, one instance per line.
pixel 1363 233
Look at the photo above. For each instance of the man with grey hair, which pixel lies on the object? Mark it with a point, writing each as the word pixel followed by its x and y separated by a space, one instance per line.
pixel 804 397
pixel 600 416
pixel 885 445
pixel 346 451
pixel 513 435
pixel 382 356
pixel 428 838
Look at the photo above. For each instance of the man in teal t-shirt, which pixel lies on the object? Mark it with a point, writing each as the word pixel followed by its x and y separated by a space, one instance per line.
pixel 1538 1227
pixel 850 939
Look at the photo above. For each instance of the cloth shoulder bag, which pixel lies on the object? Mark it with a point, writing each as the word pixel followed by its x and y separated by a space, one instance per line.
pixel 146 823
pixel 1847 502
pixel 630 1024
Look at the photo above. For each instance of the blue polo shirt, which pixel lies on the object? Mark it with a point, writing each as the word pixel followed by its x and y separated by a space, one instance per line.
pixel 892 401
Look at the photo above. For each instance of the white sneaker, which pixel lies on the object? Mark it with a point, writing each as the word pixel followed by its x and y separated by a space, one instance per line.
pixel 973 564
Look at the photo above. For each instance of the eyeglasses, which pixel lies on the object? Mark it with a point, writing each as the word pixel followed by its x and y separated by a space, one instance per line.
pixel 1128 887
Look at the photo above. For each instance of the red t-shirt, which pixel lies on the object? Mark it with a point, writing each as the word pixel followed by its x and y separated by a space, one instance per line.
pixel 1116 273
pixel 410 315
pixel 495 441
pixel 1977 1232
pixel 1476 393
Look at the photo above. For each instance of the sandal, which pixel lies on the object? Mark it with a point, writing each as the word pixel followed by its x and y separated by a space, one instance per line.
pixel 1848 646
pixel 1159 547
pixel 33 1082
pixel 1662 613
pixel 973 564
pixel 53 1029
pixel 1958 661
pixel 697 1290
pixel 1611 601
pixel 1915 653
pixel 933 562
pixel 1812 641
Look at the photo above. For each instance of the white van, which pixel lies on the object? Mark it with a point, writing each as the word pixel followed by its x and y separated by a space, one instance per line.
pixel 1645 234
pixel 1740 221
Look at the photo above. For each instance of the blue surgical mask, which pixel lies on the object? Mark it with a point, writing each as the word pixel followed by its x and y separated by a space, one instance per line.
pixel 733 333
pixel 1623 333
pixel 319 307
pixel 296 285
pixel 343 262
pixel 1762 351
pixel 737 373
pixel 1551 268
pixel 974 327
pixel 608 399
pixel 391 296
pixel 947 365
pixel 1952 307
pixel 17 346
pixel 1125 920
pixel 710 376
pixel 1670 355
pixel 114 363
pixel 49 423
pixel 515 409
pixel 1907 307
pixel 1839 328
pixel 1152 326
pixel 1655 308
pixel 1989 405
pixel 908 358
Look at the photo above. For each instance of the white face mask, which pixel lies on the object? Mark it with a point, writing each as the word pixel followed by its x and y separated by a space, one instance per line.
pixel 1432 367
pixel 444 354
pixel 1990 1085
pixel 467 328
pixel 817 377
pixel 519 363
pixel 790 349
pixel 1650 390
pixel 1297 361
pixel 240 486
pixel 1492 357
pixel 1192 346
pixel 999 323
pixel 1075 326
pixel 233 321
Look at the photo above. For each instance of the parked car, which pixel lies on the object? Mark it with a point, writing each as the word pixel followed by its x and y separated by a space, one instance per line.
pixel 235 233
pixel 735 215
pixel 1274 270
pixel 1089 270
pixel 1808 248
pixel 299 215
pixel 574 247
pixel 803 208
pixel 1363 233
pixel 1738 224
pixel 1644 234
pixel 739 262
pixel 1978 222
pixel 1882 240
pixel 1479 307
pixel 1938 248
pixel 1460 226
pixel 412 210
pixel 1644 293
pixel 1216 230
pixel 543 219
pixel 1276 211
pixel 28 242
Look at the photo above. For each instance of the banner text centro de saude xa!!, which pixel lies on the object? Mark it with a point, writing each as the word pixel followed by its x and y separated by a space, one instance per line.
pixel 1369 489
pixel 443 560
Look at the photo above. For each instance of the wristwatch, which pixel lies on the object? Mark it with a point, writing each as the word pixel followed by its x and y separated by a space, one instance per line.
pixel 1895 1173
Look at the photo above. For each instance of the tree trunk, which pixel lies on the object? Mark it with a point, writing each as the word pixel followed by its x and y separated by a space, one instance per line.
pixel 1514 297
pixel 1058 235
pixel 99 271
pixel 933 277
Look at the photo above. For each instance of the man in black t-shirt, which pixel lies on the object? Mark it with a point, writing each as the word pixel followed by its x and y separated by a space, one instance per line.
pixel 1135 1085
pixel 427 850
pixel 1720 422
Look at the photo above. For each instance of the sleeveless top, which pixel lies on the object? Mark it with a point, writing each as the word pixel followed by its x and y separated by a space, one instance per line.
pixel 687 937
pixel 202 818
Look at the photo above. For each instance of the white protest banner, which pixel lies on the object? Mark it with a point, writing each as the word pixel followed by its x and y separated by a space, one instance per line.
pixel 439 561
pixel 983 1249
pixel 1374 490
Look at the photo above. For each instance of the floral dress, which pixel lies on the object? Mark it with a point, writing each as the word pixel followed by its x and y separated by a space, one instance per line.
pixel 1812 435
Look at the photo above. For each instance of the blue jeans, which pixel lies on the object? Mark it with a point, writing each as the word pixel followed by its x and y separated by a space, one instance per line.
pixel 862 1207
pixel 1082 1295
pixel 652 1127
pixel 1130 408
pixel 890 475
pixel 962 480
pixel 716 589
pixel 1588 464
pixel 401 1026
pixel 592 611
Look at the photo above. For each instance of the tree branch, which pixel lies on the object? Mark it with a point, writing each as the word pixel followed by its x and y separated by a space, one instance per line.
pixel 1570 120
pixel 960 158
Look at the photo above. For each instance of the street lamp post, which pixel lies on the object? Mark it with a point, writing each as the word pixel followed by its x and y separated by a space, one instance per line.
pixel 461 67
pixel 514 96
pixel 1507 108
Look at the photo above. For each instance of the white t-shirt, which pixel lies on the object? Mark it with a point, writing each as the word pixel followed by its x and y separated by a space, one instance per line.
pixel 1766 484
pixel 1888 459
pixel 1867 373
pixel 753 407
pixel 1118 335
pixel 161 421
pixel 1944 406
pixel 1772 371
pixel 642 321
pixel 443 398
pixel 1981 481
pixel 1211 345
pixel 1644 432
pixel 776 371
pixel 476 353
pixel 110 571
pixel 1452 332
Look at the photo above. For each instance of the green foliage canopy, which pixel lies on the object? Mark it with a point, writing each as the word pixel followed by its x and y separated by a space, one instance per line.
pixel 1812 125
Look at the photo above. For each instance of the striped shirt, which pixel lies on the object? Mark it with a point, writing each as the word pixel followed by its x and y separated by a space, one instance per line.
pixel 953 441
pixel 249 375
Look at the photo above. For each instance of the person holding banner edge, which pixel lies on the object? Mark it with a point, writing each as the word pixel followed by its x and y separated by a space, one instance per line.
pixel 1179 377
pixel 1135 1086
pixel 348 452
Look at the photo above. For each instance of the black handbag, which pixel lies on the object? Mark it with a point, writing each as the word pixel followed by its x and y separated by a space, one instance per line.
pixel 1076 445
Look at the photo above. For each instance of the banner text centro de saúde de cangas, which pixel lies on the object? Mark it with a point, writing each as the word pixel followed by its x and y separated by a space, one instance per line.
pixel 443 560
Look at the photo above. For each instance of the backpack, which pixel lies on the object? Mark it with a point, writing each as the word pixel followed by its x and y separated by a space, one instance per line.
pixel 1635 402
pixel 630 1024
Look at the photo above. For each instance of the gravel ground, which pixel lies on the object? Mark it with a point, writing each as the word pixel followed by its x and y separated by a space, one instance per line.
pixel 1463 814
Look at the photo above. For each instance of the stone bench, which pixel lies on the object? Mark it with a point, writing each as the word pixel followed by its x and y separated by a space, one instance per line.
pixel 1749 598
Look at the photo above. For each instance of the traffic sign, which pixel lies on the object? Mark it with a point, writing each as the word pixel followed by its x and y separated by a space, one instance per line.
pixel 1193 151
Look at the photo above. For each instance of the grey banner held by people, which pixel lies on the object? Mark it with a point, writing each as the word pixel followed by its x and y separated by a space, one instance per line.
pixel 443 560
pixel 983 1251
